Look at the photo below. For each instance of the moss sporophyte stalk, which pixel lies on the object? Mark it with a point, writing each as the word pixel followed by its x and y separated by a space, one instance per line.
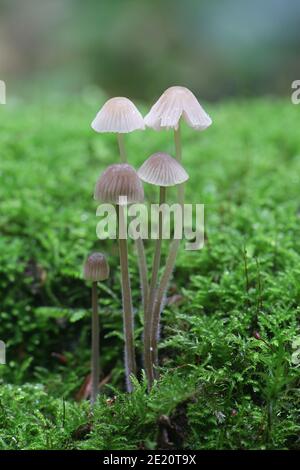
pixel 121 186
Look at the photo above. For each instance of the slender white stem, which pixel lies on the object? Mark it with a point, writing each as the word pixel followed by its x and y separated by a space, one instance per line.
pixel 130 363
pixel 142 262
pixel 122 149
pixel 148 324
pixel 177 140
pixel 170 263
pixel 160 297
pixel 95 345
pixel 178 154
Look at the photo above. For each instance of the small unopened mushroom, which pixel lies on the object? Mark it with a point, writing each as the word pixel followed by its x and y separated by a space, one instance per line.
pixel 118 115
pixel 119 184
pixel 95 269
pixel 160 169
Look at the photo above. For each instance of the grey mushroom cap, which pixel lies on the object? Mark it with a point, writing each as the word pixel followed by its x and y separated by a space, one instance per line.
pixel 119 184
pixel 161 169
pixel 96 267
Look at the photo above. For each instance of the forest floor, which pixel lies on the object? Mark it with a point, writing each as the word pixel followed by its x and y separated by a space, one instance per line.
pixel 230 332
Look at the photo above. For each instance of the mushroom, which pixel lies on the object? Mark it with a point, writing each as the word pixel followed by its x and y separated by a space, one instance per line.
pixel 177 103
pixel 120 185
pixel 95 269
pixel 160 169
pixel 120 115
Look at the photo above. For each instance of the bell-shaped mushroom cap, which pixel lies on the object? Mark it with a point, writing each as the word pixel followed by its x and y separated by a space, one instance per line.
pixel 117 181
pixel 118 115
pixel 162 170
pixel 96 268
pixel 175 103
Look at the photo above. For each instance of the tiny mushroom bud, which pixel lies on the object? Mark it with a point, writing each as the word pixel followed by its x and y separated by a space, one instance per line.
pixel 175 103
pixel 256 334
pixel 119 184
pixel 95 269
pixel 161 170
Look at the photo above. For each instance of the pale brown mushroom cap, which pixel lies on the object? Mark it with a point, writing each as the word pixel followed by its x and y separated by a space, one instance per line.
pixel 118 115
pixel 96 268
pixel 117 181
pixel 162 170
pixel 175 103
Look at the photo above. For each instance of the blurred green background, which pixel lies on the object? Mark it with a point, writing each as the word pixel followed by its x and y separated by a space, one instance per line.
pixel 230 390
pixel 139 47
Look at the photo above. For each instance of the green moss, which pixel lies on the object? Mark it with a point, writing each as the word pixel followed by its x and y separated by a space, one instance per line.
pixel 220 387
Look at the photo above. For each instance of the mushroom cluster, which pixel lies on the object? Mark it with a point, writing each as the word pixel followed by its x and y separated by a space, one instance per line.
pixel 120 184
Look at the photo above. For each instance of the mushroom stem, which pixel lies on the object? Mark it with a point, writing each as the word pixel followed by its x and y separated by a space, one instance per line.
pixel 148 324
pixel 178 146
pixel 122 149
pixel 170 263
pixel 160 297
pixel 95 345
pixel 130 364
pixel 142 262
pixel 178 155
